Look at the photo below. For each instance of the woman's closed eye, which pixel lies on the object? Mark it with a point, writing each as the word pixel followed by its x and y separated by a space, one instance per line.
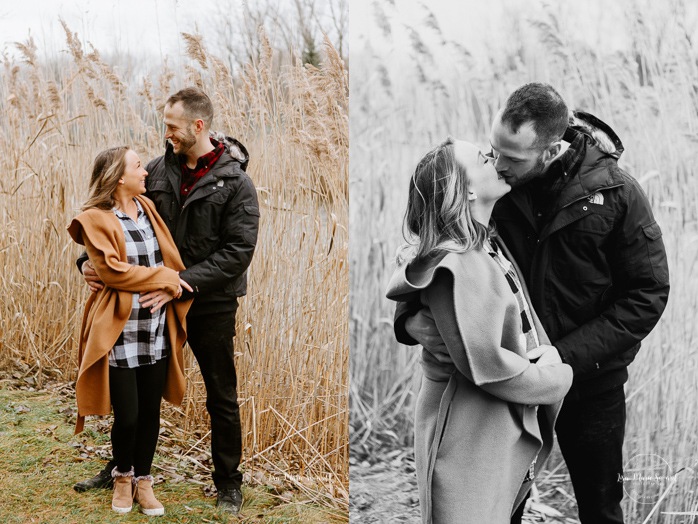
pixel 493 155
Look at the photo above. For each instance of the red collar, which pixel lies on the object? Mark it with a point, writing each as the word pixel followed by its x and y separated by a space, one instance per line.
pixel 203 165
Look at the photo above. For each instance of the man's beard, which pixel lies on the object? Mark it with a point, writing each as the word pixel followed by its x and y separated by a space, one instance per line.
pixel 535 172
pixel 186 142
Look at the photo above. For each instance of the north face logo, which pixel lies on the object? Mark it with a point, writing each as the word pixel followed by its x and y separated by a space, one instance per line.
pixel 596 198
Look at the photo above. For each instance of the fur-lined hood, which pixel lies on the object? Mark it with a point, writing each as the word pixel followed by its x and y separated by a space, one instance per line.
pixel 233 147
pixel 606 138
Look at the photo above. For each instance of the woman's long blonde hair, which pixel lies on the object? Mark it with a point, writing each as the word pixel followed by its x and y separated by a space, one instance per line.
pixel 107 170
pixel 438 220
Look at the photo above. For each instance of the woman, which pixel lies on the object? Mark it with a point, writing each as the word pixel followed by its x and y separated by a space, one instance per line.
pixel 479 437
pixel 130 352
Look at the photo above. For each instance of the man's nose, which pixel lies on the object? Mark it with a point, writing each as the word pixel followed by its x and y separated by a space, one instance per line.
pixel 499 164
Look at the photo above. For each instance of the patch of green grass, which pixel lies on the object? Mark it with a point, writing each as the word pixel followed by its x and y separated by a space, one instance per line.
pixel 38 468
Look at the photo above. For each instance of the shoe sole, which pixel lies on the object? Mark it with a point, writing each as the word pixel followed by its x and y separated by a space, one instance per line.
pixel 155 512
pixel 121 510
pixel 82 488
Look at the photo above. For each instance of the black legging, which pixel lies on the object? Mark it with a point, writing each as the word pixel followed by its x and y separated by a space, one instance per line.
pixel 135 397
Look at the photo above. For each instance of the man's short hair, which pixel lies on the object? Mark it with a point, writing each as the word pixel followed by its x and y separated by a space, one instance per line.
pixel 541 105
pixel 196 104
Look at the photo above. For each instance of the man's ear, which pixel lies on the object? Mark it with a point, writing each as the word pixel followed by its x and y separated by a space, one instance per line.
pixel 552 151
pixel 199 125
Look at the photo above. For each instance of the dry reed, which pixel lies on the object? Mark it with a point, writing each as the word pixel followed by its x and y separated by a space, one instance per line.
pixel 646 92
pixel 292 342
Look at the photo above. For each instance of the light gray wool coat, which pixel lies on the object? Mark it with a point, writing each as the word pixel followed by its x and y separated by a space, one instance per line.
pixel 484 412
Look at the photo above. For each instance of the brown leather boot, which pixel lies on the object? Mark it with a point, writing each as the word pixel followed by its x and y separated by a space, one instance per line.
pixel 122 501
pixel 145 497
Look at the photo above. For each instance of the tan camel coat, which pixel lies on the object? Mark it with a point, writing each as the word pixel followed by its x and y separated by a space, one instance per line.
pixel 478 426
pixel 107 311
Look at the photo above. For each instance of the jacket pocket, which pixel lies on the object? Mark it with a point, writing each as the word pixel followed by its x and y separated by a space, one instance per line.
pixel 655 252
pixel 579 249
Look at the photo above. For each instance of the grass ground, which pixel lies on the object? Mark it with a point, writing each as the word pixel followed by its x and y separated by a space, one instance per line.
pixel 291 351
pixel 384 489
pixel 41 459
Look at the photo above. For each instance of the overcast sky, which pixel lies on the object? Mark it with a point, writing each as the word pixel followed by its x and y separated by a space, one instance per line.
pixel 136 26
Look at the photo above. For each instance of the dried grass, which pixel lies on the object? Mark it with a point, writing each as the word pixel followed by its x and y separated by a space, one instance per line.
pixel 646 92
pixel 292 343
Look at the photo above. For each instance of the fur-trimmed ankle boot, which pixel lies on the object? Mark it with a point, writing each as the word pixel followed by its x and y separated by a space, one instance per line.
pixel 144 496
pixel 122 501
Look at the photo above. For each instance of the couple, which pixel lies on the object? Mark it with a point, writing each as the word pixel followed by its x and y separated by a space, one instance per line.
pixel 576 259
pixel 163 270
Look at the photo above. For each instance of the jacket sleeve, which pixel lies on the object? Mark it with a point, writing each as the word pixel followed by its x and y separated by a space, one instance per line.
pixel 240 226
pixel 473 338
pixel 404 310
pixel 640 274
pixel 101 248
pixel 81 260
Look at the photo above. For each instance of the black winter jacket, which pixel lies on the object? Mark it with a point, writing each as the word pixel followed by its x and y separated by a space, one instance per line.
pixel 596 269
pixel 215 229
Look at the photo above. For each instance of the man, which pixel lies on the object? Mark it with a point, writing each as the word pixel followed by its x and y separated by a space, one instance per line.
pixel 210 206
pixel 591 253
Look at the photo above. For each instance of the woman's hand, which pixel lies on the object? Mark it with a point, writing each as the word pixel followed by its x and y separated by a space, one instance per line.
pixel 550 356
pixel 91 277
pixel 536 352
pixel 183 284
pixel 422 327
pixel 155 299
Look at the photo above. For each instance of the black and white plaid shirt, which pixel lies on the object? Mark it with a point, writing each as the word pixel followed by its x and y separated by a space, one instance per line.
pixel 529 336
pixel 143 339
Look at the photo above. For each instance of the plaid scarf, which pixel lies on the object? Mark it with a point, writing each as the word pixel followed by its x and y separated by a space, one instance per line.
pixel 529 336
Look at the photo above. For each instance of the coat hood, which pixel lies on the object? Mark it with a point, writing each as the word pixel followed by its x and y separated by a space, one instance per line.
pixel 598 170
pixel 233 147
pixel 603 135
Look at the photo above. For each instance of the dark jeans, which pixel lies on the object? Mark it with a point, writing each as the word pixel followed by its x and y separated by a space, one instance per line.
pixel 135 397
pixel 590 433
pixel 211 339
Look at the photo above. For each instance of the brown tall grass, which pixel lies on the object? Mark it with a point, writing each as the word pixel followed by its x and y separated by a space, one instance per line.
pixel 292 342
pixel 408 102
